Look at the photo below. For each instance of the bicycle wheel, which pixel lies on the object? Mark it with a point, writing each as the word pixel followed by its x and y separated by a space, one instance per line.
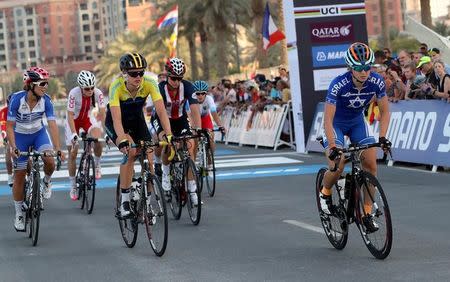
pixel 210 177
pixel 334 225
pixel 175 191
pixel 371 203
pixel 80 180
pixel 128 226
pixel 89 184
pixel 35 209
pixel 155 216
pixel 195 211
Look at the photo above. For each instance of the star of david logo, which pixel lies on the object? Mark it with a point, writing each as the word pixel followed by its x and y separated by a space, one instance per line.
pixel 357 103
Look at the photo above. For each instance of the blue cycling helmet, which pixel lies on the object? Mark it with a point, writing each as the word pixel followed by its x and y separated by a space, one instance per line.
pixel 200 86
pixel 359 54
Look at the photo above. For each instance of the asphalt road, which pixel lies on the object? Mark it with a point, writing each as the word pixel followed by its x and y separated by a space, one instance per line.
pixel 242 235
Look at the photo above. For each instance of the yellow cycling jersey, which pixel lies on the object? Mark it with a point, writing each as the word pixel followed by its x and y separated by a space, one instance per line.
pixel 119 95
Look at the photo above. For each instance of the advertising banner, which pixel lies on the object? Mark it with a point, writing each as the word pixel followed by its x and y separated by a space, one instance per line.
pixel 329 55
pixel 339 31
pixel 419 132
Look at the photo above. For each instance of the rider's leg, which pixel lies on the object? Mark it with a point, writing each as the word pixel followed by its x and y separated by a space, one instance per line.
pixel 96 132
pixel 165 181
pixel 43 144
pixel 71 166
pixel 369 164
pixel 18 196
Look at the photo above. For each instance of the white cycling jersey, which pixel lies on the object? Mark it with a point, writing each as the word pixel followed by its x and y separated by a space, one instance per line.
pixel 208 106
pixel 81 106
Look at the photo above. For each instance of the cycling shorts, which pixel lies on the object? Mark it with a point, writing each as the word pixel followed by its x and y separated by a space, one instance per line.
pixel 136 128
pixel 179 126
pixel 38 140
pixel 84 124
pixel 357 129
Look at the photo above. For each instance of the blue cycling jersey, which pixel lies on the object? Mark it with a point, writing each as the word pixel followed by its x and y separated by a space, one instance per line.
pixel 349 101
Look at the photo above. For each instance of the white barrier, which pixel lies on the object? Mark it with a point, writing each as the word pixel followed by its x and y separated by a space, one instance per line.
pixel 265 130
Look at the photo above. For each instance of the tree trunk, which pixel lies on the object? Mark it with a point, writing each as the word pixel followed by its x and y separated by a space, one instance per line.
pixel 258 15
pixel 284 53
pixel 193 55
pixel 384 25
pixel 425 13
pixel 205 52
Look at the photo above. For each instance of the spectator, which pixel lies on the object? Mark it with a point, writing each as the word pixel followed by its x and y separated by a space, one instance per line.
pixel 435 55
pixel 229 92
pixel 423 49
pixel 162 77
pixel 416 88
pixel 416 57
pixel 253 91
pixel 426 67
pixel 404 57
pixel 380 57
pixel 387 52
pixel 443 89
pixel 283 73
pixel 409 71
pixel 273 92
pixel 394 85
pixel 283 87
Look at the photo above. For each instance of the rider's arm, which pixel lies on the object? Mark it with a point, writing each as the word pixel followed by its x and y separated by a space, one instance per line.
pixel 330 110
pixel 195 113
pixel 383 105
pixel 162 115
pixel 70 112
pixel 10 133
pixel 11 121
pixel 52 126
pixel 101 106
pixel 213 111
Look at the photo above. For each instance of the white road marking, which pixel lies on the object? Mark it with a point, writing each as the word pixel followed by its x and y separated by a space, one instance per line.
pixel 305 225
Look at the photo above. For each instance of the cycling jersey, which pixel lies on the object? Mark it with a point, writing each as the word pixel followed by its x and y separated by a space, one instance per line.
pixel 175 99
pixel 81 105
pixel 3 116
pixel 208 106
pixel 350 104
pixel 29 121
pixel 131 108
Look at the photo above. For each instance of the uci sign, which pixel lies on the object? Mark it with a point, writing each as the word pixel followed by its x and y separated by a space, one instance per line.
pixel 330 10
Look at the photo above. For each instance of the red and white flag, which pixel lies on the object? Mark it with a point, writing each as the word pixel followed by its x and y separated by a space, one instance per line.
pixel 270 32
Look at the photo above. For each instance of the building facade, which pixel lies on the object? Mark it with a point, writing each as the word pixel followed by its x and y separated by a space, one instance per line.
pixel 393 15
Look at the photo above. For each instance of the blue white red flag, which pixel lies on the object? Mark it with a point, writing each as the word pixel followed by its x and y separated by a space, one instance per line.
pixel 168 19
pixel 270 33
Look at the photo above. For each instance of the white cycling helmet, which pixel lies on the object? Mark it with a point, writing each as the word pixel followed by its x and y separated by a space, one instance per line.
pixel 86 79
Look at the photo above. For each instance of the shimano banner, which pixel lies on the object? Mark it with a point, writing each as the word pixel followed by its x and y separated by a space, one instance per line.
pixel 419 131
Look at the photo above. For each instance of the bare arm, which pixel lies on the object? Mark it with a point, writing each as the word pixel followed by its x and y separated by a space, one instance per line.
pixel 195 112
pixel 10 133
pixel 329 113
pixel 216 118
pixel 102 115
pixel 71 122
pixel 383 105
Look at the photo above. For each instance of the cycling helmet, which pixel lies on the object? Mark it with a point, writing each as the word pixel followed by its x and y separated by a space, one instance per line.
pixel 35 74
pixel 359 54
pixel 132 61
pixel 200 86
pixel 86 79
pixel 175 67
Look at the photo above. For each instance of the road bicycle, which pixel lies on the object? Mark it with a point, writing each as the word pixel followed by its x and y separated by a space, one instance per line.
pixel 85 177
pixel 180 168
pixel 207 166
pixel 361 200
pixel 146 203
pixel 33 192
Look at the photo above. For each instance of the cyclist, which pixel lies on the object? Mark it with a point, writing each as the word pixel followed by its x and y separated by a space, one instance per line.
pixel 176 92
pixel 80 101
pixel 8 162
pixel 347 97
pixel 125 121
pixel 25 128
pixel 207 109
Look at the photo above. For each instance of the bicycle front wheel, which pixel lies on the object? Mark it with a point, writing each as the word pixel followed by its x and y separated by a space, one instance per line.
pixel 195 210
pixel 89 184
pixel 210 177
pixel 128 226
pixel 175 192
pixel 373 216
pixel 155 215
pixel 35 209
pixel 335 225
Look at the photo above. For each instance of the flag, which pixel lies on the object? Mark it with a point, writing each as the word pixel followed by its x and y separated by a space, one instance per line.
pixel 172 44
pixel 168 19
pixel 271 34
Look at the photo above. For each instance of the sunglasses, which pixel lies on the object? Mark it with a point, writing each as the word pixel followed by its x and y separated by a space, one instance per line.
pixel 136 73
pixel 176 78
pixel 201 93
pixel 361 68
pixel 41 84
pixel 88 88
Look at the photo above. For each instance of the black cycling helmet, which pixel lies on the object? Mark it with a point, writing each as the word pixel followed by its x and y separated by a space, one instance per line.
pixel 132 61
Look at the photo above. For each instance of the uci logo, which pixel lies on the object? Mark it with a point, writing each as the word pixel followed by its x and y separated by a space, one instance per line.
pixel 330 11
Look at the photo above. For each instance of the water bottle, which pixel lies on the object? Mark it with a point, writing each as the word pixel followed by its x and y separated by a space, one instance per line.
pixel 178 171
pixel 341 186
pixel 135 185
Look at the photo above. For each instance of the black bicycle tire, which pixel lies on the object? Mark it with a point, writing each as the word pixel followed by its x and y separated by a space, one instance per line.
pixel 81 183
pixel 124 222
pixel 211 191
pixel 35 209
pixel 195 216
pixel 387 246
pixel 162 216
pixel 337 244
pixel 90 183
pixel 175 203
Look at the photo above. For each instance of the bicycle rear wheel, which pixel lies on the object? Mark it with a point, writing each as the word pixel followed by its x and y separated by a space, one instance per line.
pixel 334 225
pixel 210 177
pixel 155 215
pixel 195 211
pixel 175 191
pixel 371 203
pixel 89 184
pixel 35 209
pixel 128 226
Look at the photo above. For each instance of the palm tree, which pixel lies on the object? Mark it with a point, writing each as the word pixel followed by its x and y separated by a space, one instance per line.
pixel 425 13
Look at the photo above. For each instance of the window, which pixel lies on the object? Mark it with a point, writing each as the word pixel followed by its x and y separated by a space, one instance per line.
pixel 95 16
pixel 96 26
pixel 22 55
pixel 47 30
pixel 21 44
pixel 97 37
pixel 87 38
pixel 32 54
pixel 24 66
pixel 83 6
pixel 86 27
pixel 19 23
pixel 61 40
pixel 44 20
pixel 85 17
pixel 30 32
pixel 31 43
pixel 134 2
pixel 2 57
pixel 19 12
pixel 2 36
pixel 2 47
pixel 1 25
pixel 88 49
pixel 94 5
pixel 29 21
pixel 20 33
pixel 88 58
pixel 33 64
pixel 1 14
pixel 29 11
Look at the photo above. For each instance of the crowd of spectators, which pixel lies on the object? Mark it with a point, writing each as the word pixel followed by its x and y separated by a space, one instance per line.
pixel 420 74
